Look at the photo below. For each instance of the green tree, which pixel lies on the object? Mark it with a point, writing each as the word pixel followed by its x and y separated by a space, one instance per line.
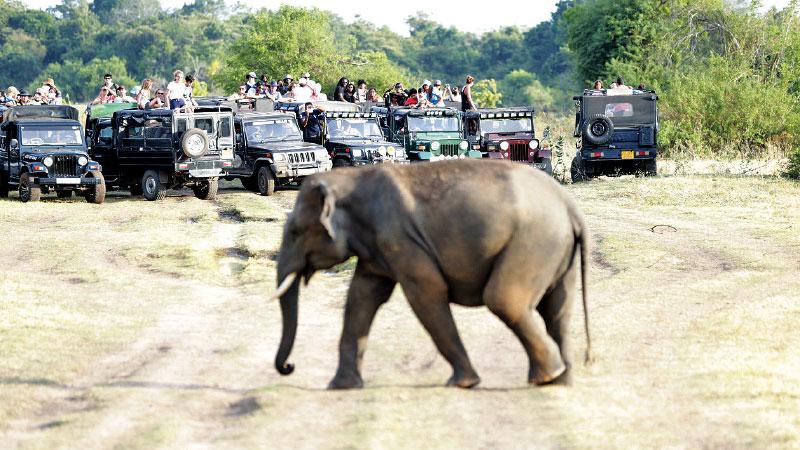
pixel 485 94
pixel 23 58
pixel 79 81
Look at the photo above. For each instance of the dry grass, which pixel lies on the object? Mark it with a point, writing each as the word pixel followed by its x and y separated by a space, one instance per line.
pixel 142 325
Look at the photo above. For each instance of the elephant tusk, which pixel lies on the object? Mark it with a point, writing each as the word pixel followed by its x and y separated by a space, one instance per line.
pixel 284 286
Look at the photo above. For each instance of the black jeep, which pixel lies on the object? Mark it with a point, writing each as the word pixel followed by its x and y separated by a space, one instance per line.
pixel 352 137
pixel 42 150
pixel 617 130
pixel 150 151
pixel 506 133
pixel 270 150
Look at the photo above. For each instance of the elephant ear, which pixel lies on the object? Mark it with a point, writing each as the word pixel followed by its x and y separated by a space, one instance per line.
pixel 328 209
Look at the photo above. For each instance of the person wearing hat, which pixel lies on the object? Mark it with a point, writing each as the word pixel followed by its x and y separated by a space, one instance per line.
pixel 435 95
pixel 302 92
pixel 272 92
pixel 251 85
pixel 287 84
pixel 24 98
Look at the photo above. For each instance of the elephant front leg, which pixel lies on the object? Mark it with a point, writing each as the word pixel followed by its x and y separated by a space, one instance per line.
pixel 366 294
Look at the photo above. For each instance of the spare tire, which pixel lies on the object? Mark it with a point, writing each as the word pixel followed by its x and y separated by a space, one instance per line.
pixel 598 129
pixel 194 142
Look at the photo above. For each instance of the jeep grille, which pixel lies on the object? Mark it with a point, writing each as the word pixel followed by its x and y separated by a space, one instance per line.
pixel 302 158
pixel 450 150
pixel 518 152
pixel 64 166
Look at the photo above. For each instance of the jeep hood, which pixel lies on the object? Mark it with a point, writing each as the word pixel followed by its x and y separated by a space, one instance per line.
pixel 286 146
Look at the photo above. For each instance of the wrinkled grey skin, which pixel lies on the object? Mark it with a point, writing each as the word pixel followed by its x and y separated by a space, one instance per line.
pixel 468 232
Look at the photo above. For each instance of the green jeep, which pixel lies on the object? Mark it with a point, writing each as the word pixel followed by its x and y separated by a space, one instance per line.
pixel 431 134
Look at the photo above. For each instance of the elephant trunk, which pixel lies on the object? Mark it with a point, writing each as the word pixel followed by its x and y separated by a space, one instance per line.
pixel 289 312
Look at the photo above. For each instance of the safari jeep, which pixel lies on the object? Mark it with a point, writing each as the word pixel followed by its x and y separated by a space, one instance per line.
pixel 270 151
pixel 158 149
pixel 506 133
pixel 42 150
pixel 426 134
pixel 617 130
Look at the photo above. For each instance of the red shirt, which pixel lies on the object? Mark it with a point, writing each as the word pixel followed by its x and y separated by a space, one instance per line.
pixel 411 101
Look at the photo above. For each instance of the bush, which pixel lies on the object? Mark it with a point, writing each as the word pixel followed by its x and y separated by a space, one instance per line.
pixel 793 169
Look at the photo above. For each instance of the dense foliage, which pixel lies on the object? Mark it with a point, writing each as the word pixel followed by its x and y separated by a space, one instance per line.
pixel 727 73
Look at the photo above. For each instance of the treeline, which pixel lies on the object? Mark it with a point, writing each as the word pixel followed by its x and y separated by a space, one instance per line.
pixel 728 75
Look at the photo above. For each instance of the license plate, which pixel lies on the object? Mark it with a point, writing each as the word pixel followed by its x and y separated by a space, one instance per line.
pixel 306 172
pixel 204 173
pixel 627 154
pixel 68 181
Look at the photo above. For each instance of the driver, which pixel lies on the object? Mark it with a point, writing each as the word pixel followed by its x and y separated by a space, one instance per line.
pixel 347 129
pixel 254 134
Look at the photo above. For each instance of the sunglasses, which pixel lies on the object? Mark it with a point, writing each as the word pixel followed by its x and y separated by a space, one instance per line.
pixel 160 93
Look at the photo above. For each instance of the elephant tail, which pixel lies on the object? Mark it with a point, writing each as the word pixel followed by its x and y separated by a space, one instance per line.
pixel 582 239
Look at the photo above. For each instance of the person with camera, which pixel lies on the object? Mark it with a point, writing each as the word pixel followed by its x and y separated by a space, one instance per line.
pixel 311 122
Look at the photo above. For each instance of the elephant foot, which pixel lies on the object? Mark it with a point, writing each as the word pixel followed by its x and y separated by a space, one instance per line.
pixel 341 381
pixel 465 381
pixel 541 377
pixel 565 379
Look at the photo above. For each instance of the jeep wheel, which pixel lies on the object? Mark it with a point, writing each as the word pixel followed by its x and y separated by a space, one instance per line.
pixel 3 185
pixel 266 181
pixel 339 162
pixel 64 194
pixel 206 189
pixel 28 192
pixel 577 170
pixel 152 187
pixel 598 129
pixel 194 142
pixel 650 169
pixel 97 192
pixel 250 183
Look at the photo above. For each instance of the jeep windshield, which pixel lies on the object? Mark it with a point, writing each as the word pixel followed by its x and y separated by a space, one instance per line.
pixel 51 135
pixel 354 129
pixel 272 130
pixel 621 109
pixel 521 125
pixel 432 123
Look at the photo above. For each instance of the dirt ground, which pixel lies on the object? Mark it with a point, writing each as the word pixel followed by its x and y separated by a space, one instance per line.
pixel 148 325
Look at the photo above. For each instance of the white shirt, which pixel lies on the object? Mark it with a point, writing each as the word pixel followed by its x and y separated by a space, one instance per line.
pixel 302 94
pixel 176 90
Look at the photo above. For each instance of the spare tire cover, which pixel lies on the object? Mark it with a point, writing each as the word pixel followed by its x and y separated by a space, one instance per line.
pixel 194 142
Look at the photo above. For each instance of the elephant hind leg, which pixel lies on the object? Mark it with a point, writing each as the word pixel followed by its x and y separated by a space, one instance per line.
pixel 510 299
pixel 556 308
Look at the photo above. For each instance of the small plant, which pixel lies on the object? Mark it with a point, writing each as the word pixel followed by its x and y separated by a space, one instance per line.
pixel 793 168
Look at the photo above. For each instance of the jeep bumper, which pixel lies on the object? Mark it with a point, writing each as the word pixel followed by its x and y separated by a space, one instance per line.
pixel 284 171
pixel 66 181
pixel 204 169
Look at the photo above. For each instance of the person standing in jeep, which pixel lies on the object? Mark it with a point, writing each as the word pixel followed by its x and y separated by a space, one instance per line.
pixel 311 122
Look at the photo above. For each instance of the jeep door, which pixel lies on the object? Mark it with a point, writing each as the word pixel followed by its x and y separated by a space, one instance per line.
pixel 142 143
pixel 101 134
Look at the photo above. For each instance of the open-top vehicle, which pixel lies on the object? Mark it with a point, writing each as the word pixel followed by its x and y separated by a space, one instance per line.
pixel 506 133
pixel 351 136
pixel 426 134
pixel 270 151
pixel 618 133
pixel 150 151
pixel 42 149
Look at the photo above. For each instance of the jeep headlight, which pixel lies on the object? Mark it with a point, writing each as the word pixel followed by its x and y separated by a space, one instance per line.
pixel 463 145
pixel 358 153
pixel 47 161
pixel 82 161
pixel 533 144
pixel 390 150
pixel 504 145
pixel 322 155
pixel 382 150
pixel 435 145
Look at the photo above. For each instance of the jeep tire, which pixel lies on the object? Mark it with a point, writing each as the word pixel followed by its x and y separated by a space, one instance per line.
pixel 206 189
pixel 28 192
pixel 97 192
pixel 194 143
pixel 152 187
pixel 598 130
pixel 577 170
pixel 266 181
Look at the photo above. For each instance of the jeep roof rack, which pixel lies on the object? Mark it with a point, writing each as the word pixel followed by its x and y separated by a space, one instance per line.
pixel 40 112
pixel 327 105
pixel 344 114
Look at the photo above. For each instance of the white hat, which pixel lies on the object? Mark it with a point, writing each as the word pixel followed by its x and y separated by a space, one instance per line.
pixel 303 81
pixel 251 75
pixel 306 75
pixel 288 76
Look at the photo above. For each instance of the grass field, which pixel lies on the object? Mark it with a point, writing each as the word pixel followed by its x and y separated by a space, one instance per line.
pixel 147 325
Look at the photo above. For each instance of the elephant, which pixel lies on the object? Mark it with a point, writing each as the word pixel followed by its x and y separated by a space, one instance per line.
pixel 473 233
